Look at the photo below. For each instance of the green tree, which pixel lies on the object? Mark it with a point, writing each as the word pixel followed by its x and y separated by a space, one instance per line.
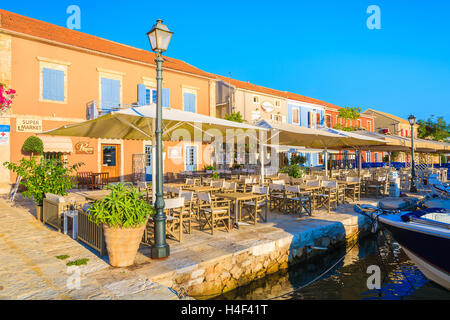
pixel 235 116
pixel 33 145
pixel 45 176
pixel 433 128
pixel 348 113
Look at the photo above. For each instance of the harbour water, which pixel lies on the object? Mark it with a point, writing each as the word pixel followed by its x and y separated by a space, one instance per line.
pixel 347 280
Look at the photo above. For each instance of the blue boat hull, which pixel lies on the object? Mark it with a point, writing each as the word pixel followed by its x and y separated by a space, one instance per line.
pixel 429 251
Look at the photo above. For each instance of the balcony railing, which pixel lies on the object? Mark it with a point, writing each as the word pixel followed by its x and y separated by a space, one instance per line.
pixel 98 108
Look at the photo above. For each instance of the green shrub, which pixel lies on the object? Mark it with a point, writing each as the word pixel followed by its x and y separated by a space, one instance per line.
pixel 33 145
pixel 125 207
pixel 215 176
pixel 294 171
pixel 47 176
pixel 210 168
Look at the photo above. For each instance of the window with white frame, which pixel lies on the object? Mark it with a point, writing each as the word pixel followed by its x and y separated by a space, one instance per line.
pixel 53 80
pixel 150 95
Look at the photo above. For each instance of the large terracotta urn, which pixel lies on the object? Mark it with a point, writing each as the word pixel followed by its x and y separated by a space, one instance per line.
pixel 122 244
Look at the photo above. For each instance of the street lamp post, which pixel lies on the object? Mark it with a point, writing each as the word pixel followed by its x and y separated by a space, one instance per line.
pixel 159 38
pixel 412 122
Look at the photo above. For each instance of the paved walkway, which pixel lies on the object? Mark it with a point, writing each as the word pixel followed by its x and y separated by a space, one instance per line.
pixel 29 268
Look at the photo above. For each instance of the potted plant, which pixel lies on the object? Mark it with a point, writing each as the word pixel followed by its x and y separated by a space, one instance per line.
pixel 123 214
pixel 45 176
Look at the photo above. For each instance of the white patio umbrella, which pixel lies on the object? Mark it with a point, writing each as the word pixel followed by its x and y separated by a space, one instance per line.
pixel 138 123
pixel 324 138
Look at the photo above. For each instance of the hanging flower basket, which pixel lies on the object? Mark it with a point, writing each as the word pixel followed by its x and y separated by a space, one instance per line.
pixel 6 96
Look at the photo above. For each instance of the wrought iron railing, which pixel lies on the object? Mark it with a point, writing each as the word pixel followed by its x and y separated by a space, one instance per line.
pixel 98 108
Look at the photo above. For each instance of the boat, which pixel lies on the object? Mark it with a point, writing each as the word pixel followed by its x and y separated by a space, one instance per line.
pixel 424 235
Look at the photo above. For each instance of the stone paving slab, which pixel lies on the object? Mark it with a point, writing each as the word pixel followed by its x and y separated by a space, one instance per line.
pixel 29 268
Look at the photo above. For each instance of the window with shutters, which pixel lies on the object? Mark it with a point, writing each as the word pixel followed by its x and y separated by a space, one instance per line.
pixel 295 116
pixel 328 117
pixel 189 100
pixel 256 99
pixel 110 89
pixel 53 80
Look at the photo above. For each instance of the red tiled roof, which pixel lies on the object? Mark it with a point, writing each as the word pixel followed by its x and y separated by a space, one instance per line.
pixel 25 25
pixel 282 94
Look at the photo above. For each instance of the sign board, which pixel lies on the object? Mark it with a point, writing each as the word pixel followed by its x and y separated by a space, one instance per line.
pixel 83 147
pixel 4 134
pixel 267 106
pixel 174 152
pixel 29 125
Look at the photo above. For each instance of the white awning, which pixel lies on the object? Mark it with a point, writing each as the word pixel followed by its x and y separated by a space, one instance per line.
pixel 136 124
pixel 57 144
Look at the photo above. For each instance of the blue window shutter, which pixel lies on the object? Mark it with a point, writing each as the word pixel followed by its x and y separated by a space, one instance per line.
pixel 106 93
pixel 46 84
pixel 115 87
pixel 110 93
pixel 289 113
pixel 189 102
pixel 322 117
pixel 142 97
pixel 166 98
pixel 304 117
pixel 59 85
pixel 53 84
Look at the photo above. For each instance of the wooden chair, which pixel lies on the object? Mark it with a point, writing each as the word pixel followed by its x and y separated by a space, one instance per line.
pixel 254 209
pixel 102 180
pixel 353 191
pixel 229 187
pixel 84 179
pixel 189 211
pixel 174 209
pixel 329 195
pixel 314 194
pixel 191 182
pixel 245 185
pixel 218 184
pixel 296 201
pixel 214 213
pixel 276 197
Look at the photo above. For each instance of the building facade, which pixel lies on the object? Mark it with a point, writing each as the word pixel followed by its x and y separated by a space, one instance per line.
pixel 389 124
pixel 256 103
pixel 63 76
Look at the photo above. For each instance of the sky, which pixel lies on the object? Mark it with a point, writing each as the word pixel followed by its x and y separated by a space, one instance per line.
pixel 321 49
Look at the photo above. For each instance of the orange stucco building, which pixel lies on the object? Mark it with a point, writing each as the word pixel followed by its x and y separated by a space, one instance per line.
pixel 61 74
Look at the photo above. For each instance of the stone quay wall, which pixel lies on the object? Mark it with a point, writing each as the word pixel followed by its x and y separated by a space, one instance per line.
pixel 215 277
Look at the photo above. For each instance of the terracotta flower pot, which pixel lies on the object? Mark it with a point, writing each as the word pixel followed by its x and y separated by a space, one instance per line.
pixel 122 244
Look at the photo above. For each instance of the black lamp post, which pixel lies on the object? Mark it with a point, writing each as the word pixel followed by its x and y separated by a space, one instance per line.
pixel 159 38
pixel 412 122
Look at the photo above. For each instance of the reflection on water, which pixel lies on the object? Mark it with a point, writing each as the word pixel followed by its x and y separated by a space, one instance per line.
pixel 348 279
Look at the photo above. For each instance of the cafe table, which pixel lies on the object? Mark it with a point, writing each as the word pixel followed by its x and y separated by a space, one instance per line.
pixel 237 197
pixel 201 188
